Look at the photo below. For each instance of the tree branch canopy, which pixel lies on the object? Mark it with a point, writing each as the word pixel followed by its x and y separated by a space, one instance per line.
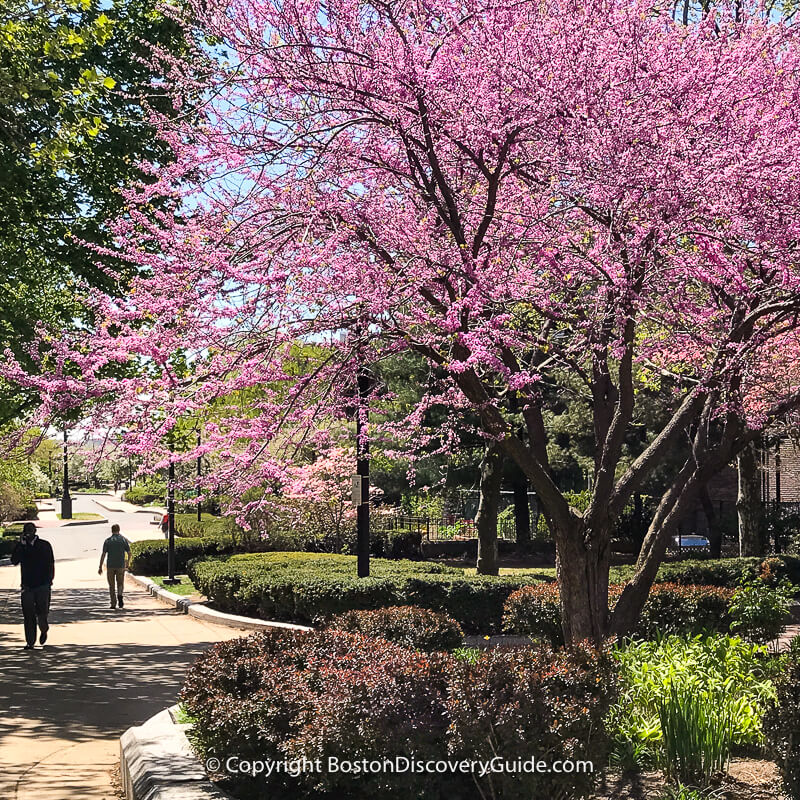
pixel 533 196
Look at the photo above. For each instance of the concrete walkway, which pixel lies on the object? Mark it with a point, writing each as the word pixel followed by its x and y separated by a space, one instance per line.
pixel 65 705
pixel 110 504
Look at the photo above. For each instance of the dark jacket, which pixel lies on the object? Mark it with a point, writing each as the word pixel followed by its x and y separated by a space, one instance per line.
pixel 38 564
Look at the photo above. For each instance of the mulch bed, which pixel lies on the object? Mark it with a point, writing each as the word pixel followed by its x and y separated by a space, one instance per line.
pixel 747 779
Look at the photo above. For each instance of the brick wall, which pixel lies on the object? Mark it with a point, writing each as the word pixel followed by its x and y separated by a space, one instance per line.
pixel 781 473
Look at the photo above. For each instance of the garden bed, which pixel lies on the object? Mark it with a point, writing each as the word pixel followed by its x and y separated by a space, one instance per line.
pixel 747 779
pixel 288 695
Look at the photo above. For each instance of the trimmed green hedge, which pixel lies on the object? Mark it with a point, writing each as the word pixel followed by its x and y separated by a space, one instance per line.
pixel 149 557
pixel 145 495
pixel 304 587
pixel 188 525
pixel 727 572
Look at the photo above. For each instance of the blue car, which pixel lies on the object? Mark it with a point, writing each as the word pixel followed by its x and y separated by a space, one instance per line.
pixel 692 540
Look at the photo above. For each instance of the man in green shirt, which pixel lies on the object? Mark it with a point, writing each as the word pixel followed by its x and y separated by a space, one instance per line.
pixel 118 550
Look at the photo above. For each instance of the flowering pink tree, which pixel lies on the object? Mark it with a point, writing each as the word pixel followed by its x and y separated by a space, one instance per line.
pixel 531 195
pixel 319 496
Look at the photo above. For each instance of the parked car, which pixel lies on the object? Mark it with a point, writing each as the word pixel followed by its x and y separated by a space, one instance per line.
pixel 690 540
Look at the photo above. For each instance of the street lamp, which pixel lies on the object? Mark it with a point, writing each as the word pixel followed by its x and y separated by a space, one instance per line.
pixel 171 579
pixel 199 476
pixel 362 471
pixel 66 499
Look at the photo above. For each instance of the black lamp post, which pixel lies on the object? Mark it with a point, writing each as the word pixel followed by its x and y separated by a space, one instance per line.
pixel 66 498
pixel 171 579
pixel 199 475
pixel 362 470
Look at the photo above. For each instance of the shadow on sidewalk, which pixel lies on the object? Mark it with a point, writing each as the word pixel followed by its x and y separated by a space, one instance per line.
pixel 80 692
pixel 80 605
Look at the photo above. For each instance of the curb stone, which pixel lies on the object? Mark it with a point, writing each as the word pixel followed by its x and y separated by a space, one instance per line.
pixel 155 511
pixel 71 523
pixel 158 763
pixel 201 611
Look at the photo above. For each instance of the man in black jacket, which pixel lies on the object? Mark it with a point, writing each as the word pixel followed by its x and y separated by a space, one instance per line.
pixel 35 556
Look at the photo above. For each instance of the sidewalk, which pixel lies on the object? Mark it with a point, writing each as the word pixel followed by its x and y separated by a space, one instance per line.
pixel 110 504
pixel 101 671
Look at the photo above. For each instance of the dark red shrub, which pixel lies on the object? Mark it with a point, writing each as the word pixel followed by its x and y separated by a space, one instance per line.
pixel 533 703
pixel 409 626
pixel 287 695
pixel 671 608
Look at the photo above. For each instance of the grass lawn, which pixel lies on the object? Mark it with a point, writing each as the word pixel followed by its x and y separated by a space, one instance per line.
pixel 616 574
pixel 539 573
pixel 83 515
pixel 185 587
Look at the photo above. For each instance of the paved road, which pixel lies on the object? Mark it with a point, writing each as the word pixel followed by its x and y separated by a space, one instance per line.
pixel 80 541
pixel 65 705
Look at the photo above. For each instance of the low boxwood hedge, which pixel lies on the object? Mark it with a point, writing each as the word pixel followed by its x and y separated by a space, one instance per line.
pixel 671 608
pixel 727 572
pixel 144 495
pixel 149 557
pixel 305 587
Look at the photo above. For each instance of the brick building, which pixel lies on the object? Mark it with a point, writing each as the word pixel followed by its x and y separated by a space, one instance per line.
pixel 780 472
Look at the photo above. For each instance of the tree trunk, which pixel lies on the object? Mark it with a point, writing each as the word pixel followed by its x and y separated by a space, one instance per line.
pixel 522 511
pixel 582 563
pixel 488 504
pixel 714 527
pixel 748 502
pixel 673 506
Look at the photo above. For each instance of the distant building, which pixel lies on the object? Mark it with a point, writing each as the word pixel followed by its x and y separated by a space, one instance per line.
pixel 780 472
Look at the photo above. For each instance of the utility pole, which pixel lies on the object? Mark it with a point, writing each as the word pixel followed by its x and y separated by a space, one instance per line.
pixel 66 498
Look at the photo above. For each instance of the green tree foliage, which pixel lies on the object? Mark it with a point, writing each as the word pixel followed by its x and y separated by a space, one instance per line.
pixel 76 80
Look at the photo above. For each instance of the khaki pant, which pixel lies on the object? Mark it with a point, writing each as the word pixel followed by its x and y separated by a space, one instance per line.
pixel 115 574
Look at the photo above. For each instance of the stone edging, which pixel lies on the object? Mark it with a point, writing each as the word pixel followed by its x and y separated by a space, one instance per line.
pixel 136 510
pixel 158 763
pixel 71 523
pixel 201 611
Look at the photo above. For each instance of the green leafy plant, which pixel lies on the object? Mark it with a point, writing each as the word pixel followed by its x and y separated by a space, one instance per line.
pixel 758 610
pixel 468 654
pixel 149 556
pixel 304 587
pixel 697 733
pixel 782 721
pixel 683 792
pixel 730 672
